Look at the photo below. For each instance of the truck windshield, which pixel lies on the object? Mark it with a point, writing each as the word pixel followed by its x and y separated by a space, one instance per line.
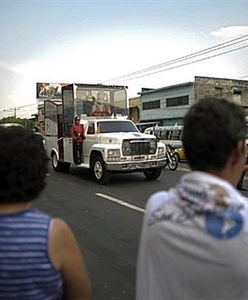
pixel 113 126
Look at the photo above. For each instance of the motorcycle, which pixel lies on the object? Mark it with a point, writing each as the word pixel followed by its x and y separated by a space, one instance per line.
pixel 172 161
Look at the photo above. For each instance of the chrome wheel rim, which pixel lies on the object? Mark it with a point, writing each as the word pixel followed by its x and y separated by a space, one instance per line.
pixel 98 169
pixel 55 161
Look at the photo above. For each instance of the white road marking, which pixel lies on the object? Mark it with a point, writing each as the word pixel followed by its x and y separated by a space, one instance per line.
pixel 183 169
pixel 120 202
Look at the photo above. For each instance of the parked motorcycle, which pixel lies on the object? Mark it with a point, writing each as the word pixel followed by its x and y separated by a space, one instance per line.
pixel 172 161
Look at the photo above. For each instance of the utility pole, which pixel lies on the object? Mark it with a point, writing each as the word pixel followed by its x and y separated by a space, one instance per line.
pixel 14 109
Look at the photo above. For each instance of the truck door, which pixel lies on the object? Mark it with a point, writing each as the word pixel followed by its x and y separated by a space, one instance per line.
pixel 60 137
pixel 90 139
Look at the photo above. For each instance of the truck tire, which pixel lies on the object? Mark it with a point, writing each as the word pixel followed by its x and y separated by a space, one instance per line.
pixel 65 167
pixel 152 174
pixel 59 166
pixel 100 173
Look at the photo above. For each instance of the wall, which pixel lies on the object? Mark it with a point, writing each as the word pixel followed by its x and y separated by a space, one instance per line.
pixel 231 89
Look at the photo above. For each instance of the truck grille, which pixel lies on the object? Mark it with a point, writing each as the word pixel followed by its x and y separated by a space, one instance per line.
pixel 139 148
pixel 136 147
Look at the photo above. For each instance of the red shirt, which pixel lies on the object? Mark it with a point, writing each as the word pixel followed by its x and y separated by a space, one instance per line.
pixel 77 132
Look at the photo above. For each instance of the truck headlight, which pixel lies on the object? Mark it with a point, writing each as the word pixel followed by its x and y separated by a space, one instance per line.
pixel 126 148
pixel 161 152
pixel 153 146
pixel 113 155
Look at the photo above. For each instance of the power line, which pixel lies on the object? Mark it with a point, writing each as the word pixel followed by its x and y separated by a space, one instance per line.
pixel 13 109
pixel 21 106
pixel 192 55
pixel 186 57
pixel 185 64
pixel 17 108
pixel 27 105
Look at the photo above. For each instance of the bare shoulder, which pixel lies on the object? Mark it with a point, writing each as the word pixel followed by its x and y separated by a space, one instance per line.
pixel 61 239
pixel 66 256
pixel 60 228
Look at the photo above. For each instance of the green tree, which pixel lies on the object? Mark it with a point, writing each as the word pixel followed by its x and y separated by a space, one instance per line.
pixel 23 121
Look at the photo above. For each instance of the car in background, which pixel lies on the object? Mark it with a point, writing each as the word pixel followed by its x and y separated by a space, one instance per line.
pixel 180 154
pixel 20 125
pixel 170 135
pixel 11 125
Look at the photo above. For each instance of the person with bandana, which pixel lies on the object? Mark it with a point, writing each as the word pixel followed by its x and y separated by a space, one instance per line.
pixel 194 240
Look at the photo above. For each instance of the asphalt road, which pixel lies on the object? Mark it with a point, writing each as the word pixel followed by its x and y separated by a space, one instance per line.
pixel 106 221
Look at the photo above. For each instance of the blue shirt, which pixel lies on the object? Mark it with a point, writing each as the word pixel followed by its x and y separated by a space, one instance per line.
pixel 26 271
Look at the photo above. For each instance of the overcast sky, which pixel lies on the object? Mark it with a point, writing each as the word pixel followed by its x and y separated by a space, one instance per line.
pixel 98 41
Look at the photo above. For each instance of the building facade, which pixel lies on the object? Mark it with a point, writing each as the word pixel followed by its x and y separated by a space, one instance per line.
pixel 230 89
pixel 134 109
pixel 168 105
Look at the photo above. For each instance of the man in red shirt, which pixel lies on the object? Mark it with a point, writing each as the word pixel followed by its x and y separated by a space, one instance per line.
pixel 77 133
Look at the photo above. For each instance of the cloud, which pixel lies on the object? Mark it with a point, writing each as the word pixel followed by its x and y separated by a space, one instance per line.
pixel 230 32
pixel 96 60
pixel 8 67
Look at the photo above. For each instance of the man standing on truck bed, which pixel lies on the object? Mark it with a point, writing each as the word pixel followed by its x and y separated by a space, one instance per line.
pixel 77 133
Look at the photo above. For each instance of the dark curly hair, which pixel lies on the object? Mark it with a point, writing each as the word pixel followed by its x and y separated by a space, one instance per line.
pixel 212 129
pixel 23 164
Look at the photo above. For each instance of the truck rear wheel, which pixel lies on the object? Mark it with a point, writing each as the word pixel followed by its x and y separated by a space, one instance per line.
pixel 101 175
pixel 59 166
pixel 152 174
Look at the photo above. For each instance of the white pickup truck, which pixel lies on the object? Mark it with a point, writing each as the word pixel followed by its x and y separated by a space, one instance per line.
pixel 111 146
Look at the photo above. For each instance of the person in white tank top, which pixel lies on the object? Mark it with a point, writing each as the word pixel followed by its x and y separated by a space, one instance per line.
pixel 194 240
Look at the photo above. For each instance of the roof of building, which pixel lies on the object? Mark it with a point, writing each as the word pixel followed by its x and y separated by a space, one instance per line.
pixel 168 87
pixel 98 85
pixel 221 78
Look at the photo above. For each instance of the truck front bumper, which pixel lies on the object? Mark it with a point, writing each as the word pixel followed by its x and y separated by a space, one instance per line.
pixel 135 165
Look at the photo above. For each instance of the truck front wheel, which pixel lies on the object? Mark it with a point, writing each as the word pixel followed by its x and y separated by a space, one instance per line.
pixel 59 166
pixel 101 175
pixel 152 174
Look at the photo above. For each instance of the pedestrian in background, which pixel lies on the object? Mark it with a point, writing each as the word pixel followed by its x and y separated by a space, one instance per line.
pixel 39 256
pixel 240 185
pixel 195 236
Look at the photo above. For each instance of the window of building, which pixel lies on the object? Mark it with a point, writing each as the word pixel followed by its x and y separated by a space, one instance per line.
pixel 151 104
pixel 177 101
pixel 218 91
pixel 236 91
pixel 236 95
